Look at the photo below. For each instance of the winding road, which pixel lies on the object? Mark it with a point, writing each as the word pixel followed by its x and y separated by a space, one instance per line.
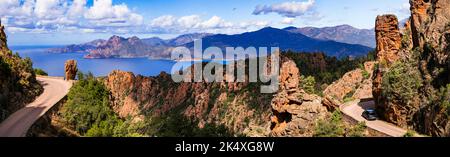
pixel 355 109
pixel 17 124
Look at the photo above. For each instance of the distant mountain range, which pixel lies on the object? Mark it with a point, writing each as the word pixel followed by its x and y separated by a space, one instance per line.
pixel 341 33
pixel 333 42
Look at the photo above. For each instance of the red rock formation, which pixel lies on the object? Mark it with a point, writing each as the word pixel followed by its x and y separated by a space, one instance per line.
pixel 220 103
pixel 355 84
pixel 388 39
pixel 424 51
pixel 294 111
pixel 71 69
pixel 419 14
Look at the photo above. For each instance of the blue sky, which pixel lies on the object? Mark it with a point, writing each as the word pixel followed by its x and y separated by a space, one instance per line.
pixel 77 21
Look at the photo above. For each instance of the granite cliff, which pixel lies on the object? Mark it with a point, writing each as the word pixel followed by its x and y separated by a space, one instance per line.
pixel 411 82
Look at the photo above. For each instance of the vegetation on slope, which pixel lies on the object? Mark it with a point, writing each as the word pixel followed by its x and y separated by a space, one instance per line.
pixel 88 112
pixel 335 126
pixel 40 72
pixel 18 84
pixel 325 69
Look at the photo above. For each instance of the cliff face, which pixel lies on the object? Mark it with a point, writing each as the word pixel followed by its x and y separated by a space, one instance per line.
pixel 355 84
pixel 233 105
pixel 411 89
pixel 18 84
pixel 237 106
pixel 294 112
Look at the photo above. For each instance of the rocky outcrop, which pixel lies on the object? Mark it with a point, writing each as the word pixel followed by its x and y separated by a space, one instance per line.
pixel 233 105
pixel 355 84
pixel 388 39
pixel 423 54
pixel 70 69
pixel 18 84
pixel 294 111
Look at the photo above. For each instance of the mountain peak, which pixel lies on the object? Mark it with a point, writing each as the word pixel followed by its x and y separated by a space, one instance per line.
pixel 345 26
pixel 290 28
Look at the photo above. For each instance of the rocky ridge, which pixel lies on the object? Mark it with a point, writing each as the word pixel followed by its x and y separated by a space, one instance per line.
pixel 411 82
pixel 355 84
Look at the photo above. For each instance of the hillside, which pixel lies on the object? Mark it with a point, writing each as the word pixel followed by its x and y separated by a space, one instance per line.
pixel 273 37
pixel 341 33
pixel 18 84
pixel 119 47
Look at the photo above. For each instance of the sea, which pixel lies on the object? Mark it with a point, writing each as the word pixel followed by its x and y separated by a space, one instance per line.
pixel 53 63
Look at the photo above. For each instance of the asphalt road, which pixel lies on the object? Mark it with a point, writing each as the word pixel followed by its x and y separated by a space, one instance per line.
pixel 355 109
pixel 17 124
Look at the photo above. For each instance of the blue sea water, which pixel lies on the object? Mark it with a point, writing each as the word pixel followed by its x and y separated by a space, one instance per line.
pixel 53 63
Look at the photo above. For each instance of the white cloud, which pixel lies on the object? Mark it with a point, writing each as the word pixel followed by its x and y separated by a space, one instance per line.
pixel 45 16
pixel 56 15
pixel 105 13
pixel 163 21
pixel 287 9
pixel 216 22
pixel 77 9
pixel 48 9
pixel 190 21
pixel 287 21
pixel 195 23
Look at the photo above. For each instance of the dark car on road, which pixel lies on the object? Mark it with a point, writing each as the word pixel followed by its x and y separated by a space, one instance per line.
pixel 370 115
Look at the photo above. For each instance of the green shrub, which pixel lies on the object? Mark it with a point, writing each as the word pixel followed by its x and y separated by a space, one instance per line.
pixel 349 96
pixel 308 84
pixel 401 82
pixel 409 133
pixel 87 109
pixel 443 98
pixel 40 72
pixel 357 130
pixel 365 74
pixel 330 128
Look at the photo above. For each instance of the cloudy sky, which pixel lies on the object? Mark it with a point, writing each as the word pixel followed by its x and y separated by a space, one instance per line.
pixel 50 22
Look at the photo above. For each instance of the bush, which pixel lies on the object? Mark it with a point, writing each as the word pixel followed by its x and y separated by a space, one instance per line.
pixel 177 125
pixel 401 82
pixel 365 74
pixel 308 84
pixel 349 96
pixel 87 109
pixel 357 130
pixel 330 128
pixel 409 133
pixel 40 72
pixel 443 98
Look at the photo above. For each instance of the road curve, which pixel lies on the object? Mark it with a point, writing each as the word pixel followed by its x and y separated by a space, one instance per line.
pixel 17 124
pixel 355 109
